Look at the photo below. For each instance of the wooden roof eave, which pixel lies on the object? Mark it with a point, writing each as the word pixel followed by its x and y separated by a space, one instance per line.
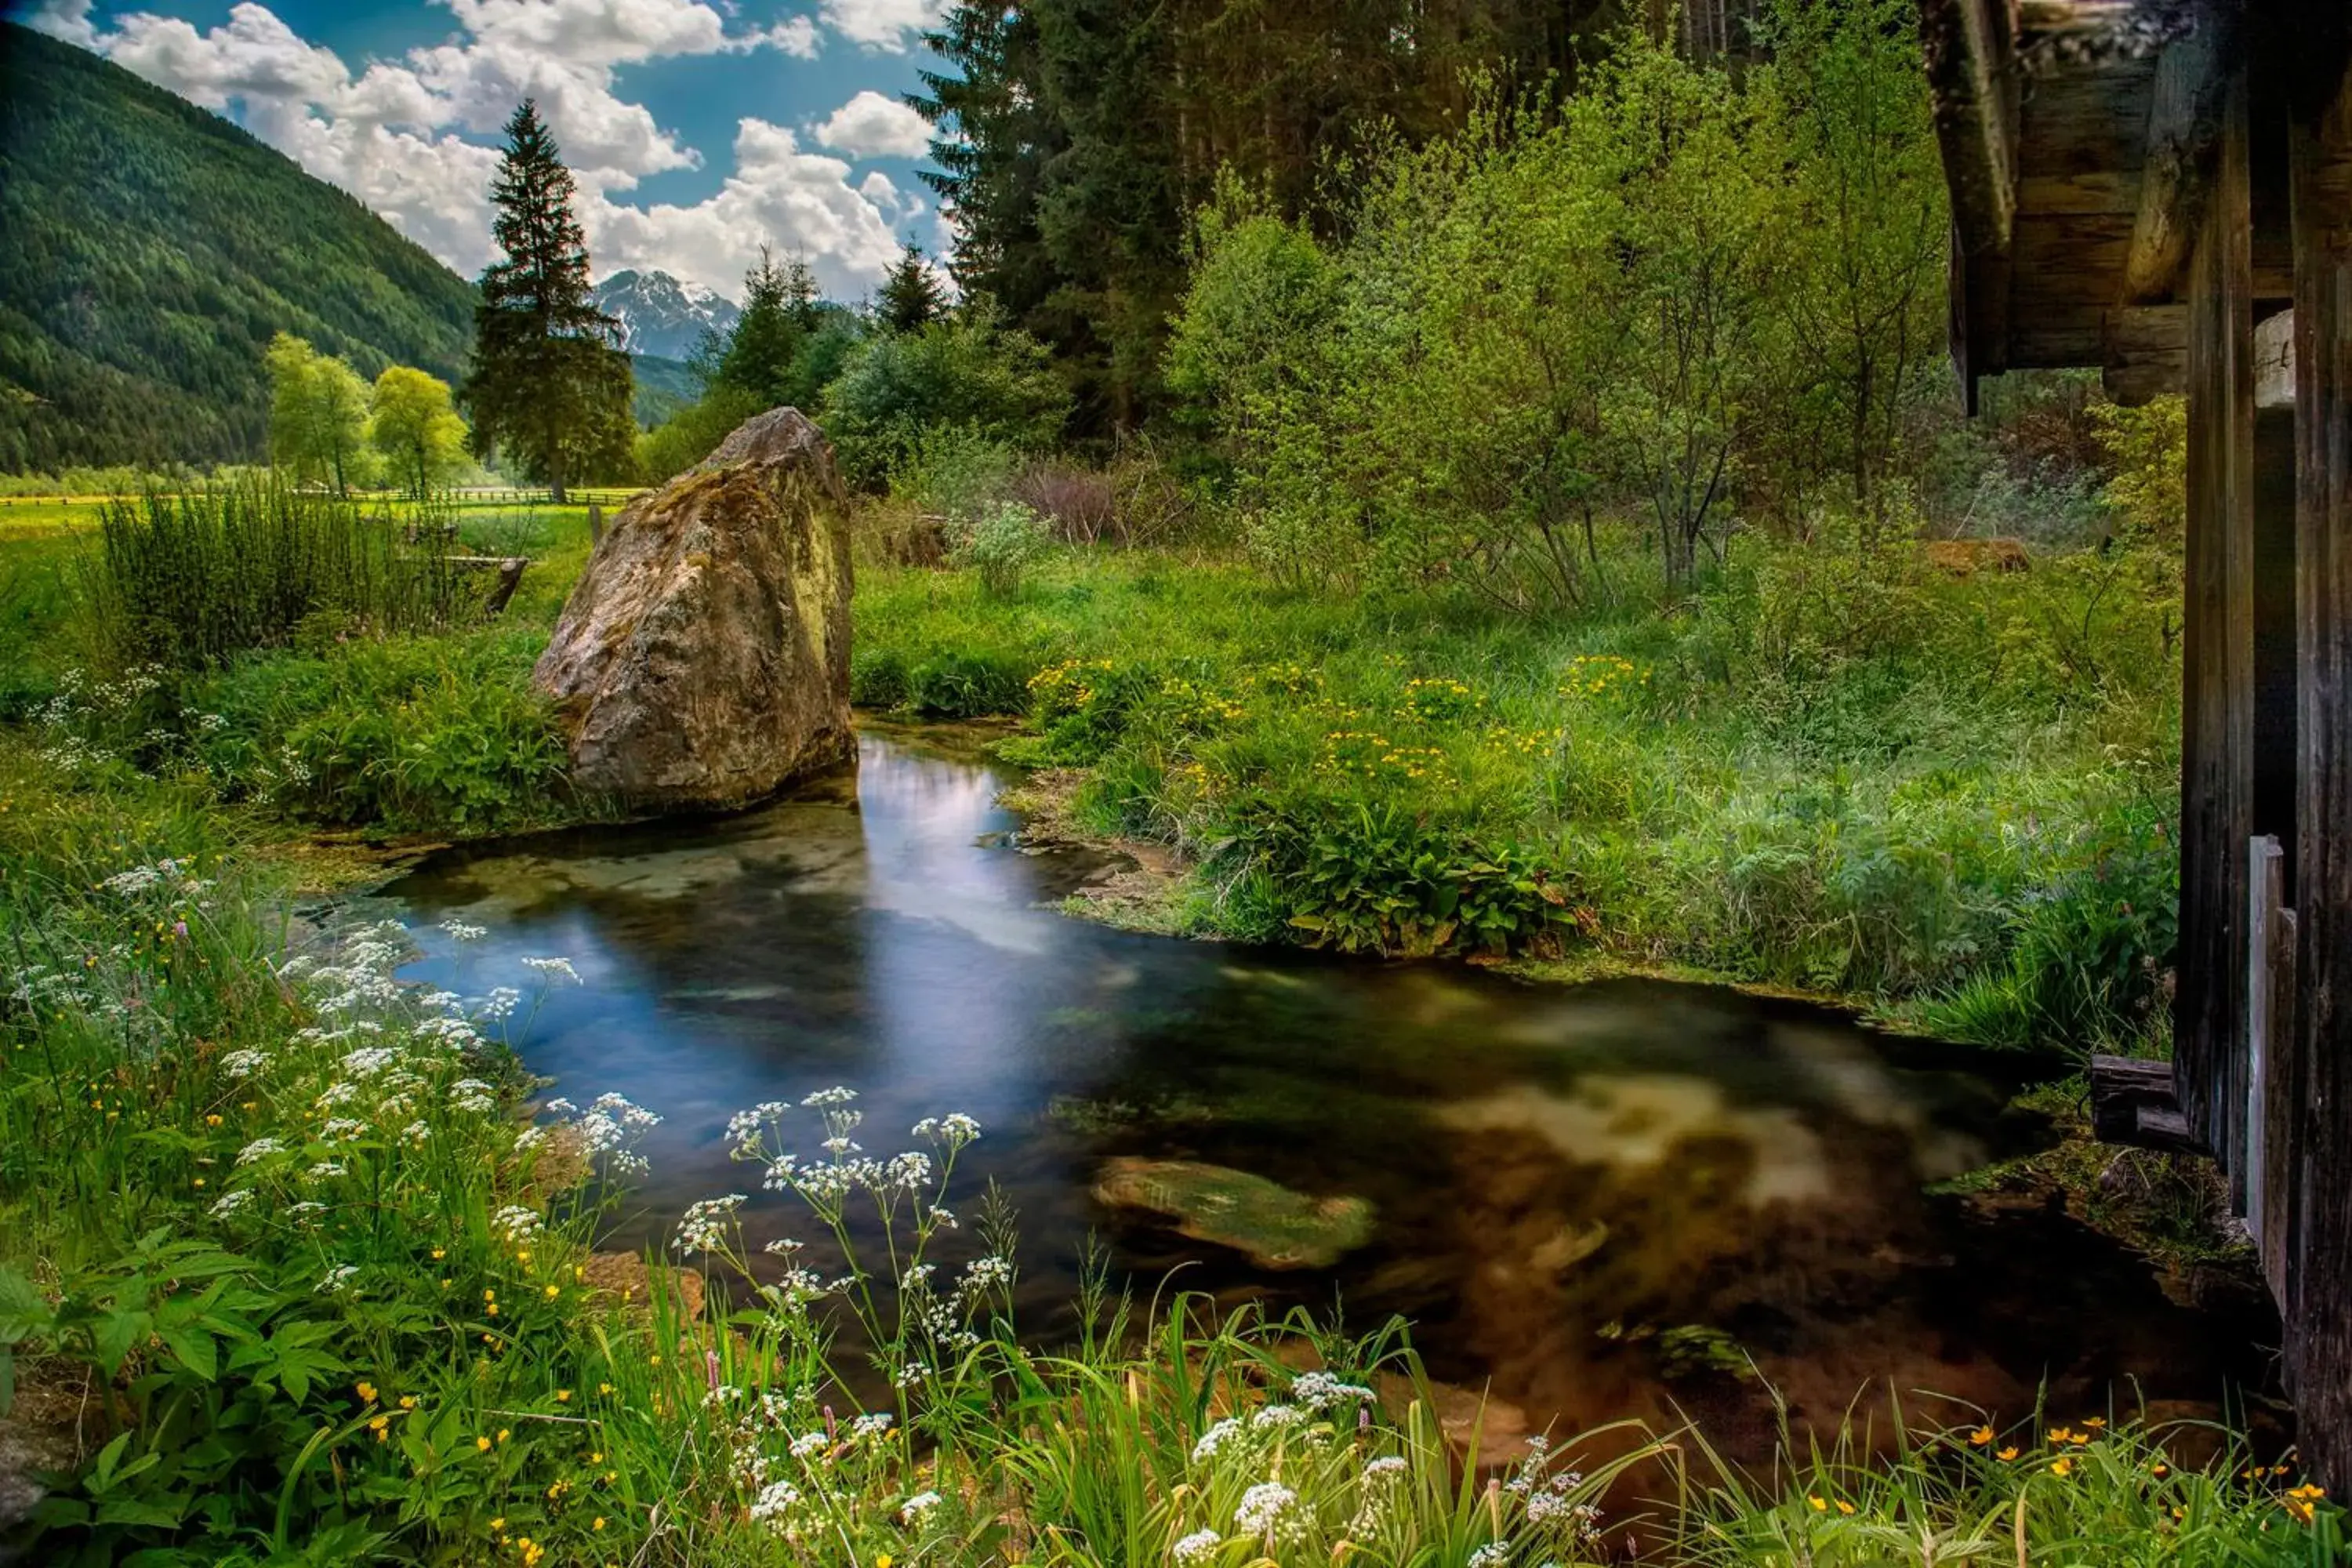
pixel 1971 49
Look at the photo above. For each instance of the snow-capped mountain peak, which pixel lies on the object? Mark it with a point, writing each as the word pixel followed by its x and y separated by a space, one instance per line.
pixel 660 315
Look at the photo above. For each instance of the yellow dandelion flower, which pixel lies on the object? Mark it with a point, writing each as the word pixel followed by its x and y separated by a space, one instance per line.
pixel 563 1396
pixel 483 1445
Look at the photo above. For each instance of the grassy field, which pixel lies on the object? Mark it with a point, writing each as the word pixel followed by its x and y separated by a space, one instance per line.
pixel 1949 799
pixel 297 1271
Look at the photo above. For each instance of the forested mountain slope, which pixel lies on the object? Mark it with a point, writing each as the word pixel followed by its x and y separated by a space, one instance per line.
pixel 148 250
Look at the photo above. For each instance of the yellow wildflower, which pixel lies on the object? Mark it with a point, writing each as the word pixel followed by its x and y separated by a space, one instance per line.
pixel 1981 1436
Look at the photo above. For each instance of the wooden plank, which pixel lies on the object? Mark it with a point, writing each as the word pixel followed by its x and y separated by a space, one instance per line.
pixel 2282 1140
pixel 2085 120
pixel 2110 192
pixel 2319 1287
pixel 2217 726
pixel 1972 81
pixel 2132 1102
pixel 2265 895
pixel 2067 260
pixel 2184 122
pixel 2146 352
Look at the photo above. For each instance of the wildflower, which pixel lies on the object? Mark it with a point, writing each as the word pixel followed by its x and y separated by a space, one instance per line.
pixel 563 1396
pixel 1197 1547
pixel 1214 1438
pixel 366 1391
pixel 555 966
pixel 459 930
pixel 2061 1466
pixel 596 1523
pixel 260 1148
pixel 1321 1391
pixel 1278 1416
pixel 827 1098
pixel 2095 1421
pixel 1845 1507
pixel 1981 1436
pixel 228 1203
pixel 1494 1554
pixel 703 1227
pixel 1265 1509
pixel 377 1426
pixel 504 1434
pixel 1385 1466
pixel 2006 1455
pixel 917 1507
pixel 482 1445
pixel 871 1425
pixel 774 1499
pixel 338 1279
pixel 1821 1505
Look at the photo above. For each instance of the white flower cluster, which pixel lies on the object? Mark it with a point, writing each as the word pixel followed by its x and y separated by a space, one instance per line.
pixel 517 1224
pixel 1269 1511
pixel 1197 1547
pixel 1322 1391
pixel 703 1228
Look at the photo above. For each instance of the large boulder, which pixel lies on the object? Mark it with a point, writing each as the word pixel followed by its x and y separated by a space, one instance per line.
pixel 703 659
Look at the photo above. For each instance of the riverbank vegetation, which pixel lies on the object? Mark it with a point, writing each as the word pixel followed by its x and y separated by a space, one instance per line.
pixel 1543 533
pixel 301 1271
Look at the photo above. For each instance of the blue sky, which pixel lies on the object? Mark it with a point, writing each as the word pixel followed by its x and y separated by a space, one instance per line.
pixel 699 128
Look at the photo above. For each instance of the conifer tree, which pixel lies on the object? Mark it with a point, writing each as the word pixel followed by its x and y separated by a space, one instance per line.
pixel 910 296
pixel 764 347
pixel 546 384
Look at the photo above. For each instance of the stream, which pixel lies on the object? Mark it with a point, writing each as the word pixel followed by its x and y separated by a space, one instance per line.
pixel 1628 1198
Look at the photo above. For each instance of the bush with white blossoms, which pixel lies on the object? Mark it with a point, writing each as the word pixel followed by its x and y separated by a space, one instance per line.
pixel 1320 1472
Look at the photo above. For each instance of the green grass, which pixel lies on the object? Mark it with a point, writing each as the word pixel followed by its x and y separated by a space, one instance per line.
pixel 1951 800
pixel 292 1262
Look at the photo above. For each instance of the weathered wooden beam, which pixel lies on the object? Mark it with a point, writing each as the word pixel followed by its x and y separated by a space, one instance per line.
pixel 509 569
pixel 2270 1030
pixel 2184 125
pixel 2146 352
pixel 1971 72
pixel 2133 1103
pixel 2218 690
pixel 2318 80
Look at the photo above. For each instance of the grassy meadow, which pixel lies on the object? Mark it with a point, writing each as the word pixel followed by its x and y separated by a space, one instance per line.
pixel 309 1276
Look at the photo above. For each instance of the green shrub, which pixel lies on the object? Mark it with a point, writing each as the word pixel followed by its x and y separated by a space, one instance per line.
pixel 967 686
pixel 1370 878
pixel 1003 545
pixel 187 581
pixel 899 389
pixel 416 735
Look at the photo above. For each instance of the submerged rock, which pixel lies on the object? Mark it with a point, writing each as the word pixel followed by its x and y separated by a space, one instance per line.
pixel 1277 1228
pixel 703 659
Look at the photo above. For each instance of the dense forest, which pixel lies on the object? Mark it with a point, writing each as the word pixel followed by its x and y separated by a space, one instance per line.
pixel 150 260
pixel 1078 136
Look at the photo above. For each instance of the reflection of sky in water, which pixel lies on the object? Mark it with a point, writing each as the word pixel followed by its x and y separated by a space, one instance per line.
pixel 1754 1165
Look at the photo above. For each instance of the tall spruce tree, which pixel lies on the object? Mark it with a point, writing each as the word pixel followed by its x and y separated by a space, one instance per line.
pixel 546 383
pixel 910 296
pixel 764 355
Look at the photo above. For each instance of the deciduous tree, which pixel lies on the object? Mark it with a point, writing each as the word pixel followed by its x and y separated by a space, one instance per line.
pixel 414 427
pixel 318 415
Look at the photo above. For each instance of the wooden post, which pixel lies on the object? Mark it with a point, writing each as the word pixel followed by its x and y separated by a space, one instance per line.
pixel 2266 1032
pixel 2318 88
pixel 2217 725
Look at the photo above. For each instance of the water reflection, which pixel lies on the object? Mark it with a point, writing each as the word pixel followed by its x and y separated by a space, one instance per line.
pixel 1612 1199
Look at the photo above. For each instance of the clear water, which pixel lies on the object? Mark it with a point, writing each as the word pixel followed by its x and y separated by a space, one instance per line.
pixel 1557 1176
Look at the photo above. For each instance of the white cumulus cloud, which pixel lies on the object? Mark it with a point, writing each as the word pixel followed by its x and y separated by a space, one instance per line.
pixel 414 137
pixel 891 26
pixel 873 125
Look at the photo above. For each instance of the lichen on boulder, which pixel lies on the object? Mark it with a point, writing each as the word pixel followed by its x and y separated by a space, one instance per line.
pixel 703 658
pixel 1277 1228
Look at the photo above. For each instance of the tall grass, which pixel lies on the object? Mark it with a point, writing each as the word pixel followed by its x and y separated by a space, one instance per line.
pixel 1831 769
pixel 297 1271
pixel 187 580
